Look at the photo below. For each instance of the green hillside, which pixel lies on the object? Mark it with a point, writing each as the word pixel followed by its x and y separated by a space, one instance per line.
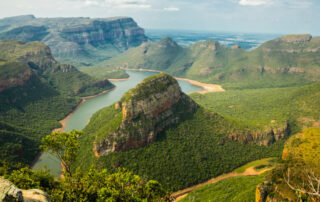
pixel 299 106
pixel 291 60
pixel 184 154
pixel 234 189
pixel 299 168
pixel 35 93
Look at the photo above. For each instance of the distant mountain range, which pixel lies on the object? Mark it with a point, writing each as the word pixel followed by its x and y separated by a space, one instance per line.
pixel 78 41
pixel 286 61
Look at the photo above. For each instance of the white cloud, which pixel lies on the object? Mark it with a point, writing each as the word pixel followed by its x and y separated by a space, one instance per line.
pixel 128 3
pixel 89 3
pixel 171 9
pixel 255 2
pixel 125 1
pixel 133 6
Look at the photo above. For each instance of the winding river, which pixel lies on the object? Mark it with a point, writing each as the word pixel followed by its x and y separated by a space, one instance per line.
pixel 79 119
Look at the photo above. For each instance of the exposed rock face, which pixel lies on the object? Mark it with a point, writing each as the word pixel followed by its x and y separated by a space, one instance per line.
pixel 262 138
pixel 64 68
pixel 35 195
pixel 70 37
pixel 9 192
pixel 148 109
pixel 262 192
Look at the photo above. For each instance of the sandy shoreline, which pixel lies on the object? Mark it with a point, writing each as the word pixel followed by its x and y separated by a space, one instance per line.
pixel 84 99
pixel 207 88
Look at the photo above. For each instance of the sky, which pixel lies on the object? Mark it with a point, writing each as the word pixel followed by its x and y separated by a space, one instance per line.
pixel 248 16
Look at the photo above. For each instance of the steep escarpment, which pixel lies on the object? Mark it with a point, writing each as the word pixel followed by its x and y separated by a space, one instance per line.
pixel 290 60
pixel 21 61
pixel 35 93
pixel 148 109
pixel 79 41
pixel 265 137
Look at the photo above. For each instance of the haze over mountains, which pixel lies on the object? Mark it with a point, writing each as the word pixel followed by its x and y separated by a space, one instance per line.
pixel 78 41
pixel 286 61
pixel 155 130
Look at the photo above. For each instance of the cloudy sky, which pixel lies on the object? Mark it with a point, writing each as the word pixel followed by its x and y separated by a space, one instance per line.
pixel 272 16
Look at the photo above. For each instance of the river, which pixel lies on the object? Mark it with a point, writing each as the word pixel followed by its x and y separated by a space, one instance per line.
pixel 79 119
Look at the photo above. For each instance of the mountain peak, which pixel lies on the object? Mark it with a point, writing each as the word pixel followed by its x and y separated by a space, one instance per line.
pixel 146 110
pixel 167 41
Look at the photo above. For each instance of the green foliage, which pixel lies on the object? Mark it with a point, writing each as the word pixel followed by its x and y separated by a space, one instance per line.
pixel 149 86
pixel 299 171
pixel 274 64
pixel 35 96
pixel 259 164
pixel 94 185
pixel 233 189
pixel 297 105
pixel 65 146
pixel 186 154
pixel 104 73
pixel 25 178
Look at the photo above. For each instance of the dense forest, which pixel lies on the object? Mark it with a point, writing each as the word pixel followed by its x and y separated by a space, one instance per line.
pixel 188 153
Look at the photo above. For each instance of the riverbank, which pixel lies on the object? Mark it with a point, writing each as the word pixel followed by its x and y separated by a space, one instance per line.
pixel 207 88
pixel 84 99
pixel 63 122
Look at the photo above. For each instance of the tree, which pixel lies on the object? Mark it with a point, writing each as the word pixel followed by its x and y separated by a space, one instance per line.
pixel 308 183
pixel 65 146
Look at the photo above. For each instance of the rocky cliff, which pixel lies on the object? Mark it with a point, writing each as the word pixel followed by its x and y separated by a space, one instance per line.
pixel 146 110
pixel 265 137
pixel 84 38
pixel 22 62
pixel 9 192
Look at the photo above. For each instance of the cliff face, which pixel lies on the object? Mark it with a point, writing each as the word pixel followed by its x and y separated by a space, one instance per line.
pixel 146 110
pixel 9 192
pixel 266 137
pixel 77 37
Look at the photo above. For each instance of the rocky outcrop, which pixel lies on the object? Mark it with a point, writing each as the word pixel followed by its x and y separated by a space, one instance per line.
pixel 265 137
pixel 10 193
pixel 74 37
pixel 35 195
pixel 154 105
pixel 63 68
